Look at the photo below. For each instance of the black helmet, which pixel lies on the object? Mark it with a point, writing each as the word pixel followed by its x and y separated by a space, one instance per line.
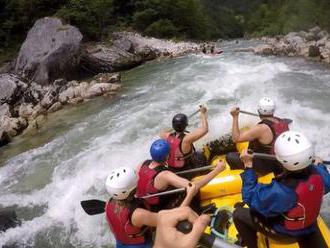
pixel 180 122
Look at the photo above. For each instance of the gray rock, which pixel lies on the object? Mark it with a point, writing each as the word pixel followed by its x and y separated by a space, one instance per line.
pixel 37 110
pixel 50 51
pixel 124 44
pixel 315 30
pixel 11 88
pixel 108 78
pixel 5 110
pixel 310 37
pixel 321 42
pixel 293 39
pixel 34 94
pixel 302 34
pixel 108 59
pixel 55 107
pixel 25 110
pixel 12 126
pixel 147 53
pixel 264 50
pixel 323 34
pixel 313 51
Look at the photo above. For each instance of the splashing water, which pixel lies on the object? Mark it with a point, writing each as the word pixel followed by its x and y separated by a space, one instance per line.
pixel 45 177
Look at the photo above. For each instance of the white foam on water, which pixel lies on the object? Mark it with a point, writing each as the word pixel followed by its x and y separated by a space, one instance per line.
pixel 121 135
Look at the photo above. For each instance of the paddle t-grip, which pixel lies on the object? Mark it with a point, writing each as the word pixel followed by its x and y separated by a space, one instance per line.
pixel 184 226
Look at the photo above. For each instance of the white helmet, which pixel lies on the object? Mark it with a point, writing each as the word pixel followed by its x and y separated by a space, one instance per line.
pixel 266 106
pixel 121 182
pixel 293 150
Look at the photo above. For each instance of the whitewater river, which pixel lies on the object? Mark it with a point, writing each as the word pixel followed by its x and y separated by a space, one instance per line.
pixel 45 177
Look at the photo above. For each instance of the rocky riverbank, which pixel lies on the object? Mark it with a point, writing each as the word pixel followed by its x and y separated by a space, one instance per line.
pixel 314 44
pixel 43 77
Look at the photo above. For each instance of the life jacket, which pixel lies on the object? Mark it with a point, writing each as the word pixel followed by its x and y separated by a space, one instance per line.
pixel 177 159
pixel 145 183
pixel 308 186
pixel 119 220
pixel 277 128
pixel 309 199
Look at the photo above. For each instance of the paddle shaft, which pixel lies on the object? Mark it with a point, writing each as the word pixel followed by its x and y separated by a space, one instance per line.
pixel 289 121
pixel 248 113
pixel 264 156
pixel 196 112
pixel 204 168
pixel 169 192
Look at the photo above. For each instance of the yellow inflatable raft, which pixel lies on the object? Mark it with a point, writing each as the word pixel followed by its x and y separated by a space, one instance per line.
pixel 224 191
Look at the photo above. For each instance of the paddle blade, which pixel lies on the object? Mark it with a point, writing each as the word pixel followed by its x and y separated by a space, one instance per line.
pixel 93 207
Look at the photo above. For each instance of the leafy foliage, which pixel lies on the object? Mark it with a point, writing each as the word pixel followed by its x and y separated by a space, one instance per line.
pixel 181 19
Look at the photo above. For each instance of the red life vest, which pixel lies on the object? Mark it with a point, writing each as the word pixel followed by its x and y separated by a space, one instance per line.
pixel 177 158
pixel 277 128
pixel 309 199
pixel 145 183
pixel 118 218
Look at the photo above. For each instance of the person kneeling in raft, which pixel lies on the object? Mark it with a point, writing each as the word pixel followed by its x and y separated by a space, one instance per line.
pixel 182 150
pixel 290 205
pixel 261 137
pixel 154 176
pixel 126 215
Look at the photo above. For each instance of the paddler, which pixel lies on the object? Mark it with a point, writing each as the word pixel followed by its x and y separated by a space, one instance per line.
pixel 182 152
pixel 126 215
pixel 261 137
pixel 154 176
pixel 288 207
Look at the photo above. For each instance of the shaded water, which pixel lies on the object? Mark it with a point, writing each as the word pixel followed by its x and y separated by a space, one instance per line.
pixel 45 177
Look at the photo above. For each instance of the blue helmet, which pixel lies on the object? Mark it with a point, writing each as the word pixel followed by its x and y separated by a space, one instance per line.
pixel 159 150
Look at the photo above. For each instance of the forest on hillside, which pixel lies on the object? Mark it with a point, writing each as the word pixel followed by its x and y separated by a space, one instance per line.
pixel 178 19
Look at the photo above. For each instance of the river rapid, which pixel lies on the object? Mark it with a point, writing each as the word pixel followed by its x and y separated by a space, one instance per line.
pixel 44 177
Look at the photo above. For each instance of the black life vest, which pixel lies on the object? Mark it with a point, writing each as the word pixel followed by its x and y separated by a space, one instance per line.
pixel 277 127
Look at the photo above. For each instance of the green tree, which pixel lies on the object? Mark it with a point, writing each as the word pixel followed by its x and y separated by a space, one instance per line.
pixel 93 17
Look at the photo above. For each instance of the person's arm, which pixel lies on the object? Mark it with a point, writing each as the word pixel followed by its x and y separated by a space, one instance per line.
pixel 191 192
pixel 322 170
pixel 142 217
pixel 235 127
pixel 268 199
pixel 198 133
pixel 167 178
pixel 253 133
pixel 208 177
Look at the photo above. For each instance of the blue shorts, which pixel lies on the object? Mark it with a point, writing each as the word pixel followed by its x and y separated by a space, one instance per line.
pixel 144 245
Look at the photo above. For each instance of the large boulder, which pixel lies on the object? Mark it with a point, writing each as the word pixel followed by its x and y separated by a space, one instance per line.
pixel 50 51
pixel 108 59
pixel 264 50
pixel 11 88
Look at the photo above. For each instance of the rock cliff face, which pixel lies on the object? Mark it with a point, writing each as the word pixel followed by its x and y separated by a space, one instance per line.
pixel 312 44
pixel 24 105
pixel 37 82
pixel 50 51
pixel 129 50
